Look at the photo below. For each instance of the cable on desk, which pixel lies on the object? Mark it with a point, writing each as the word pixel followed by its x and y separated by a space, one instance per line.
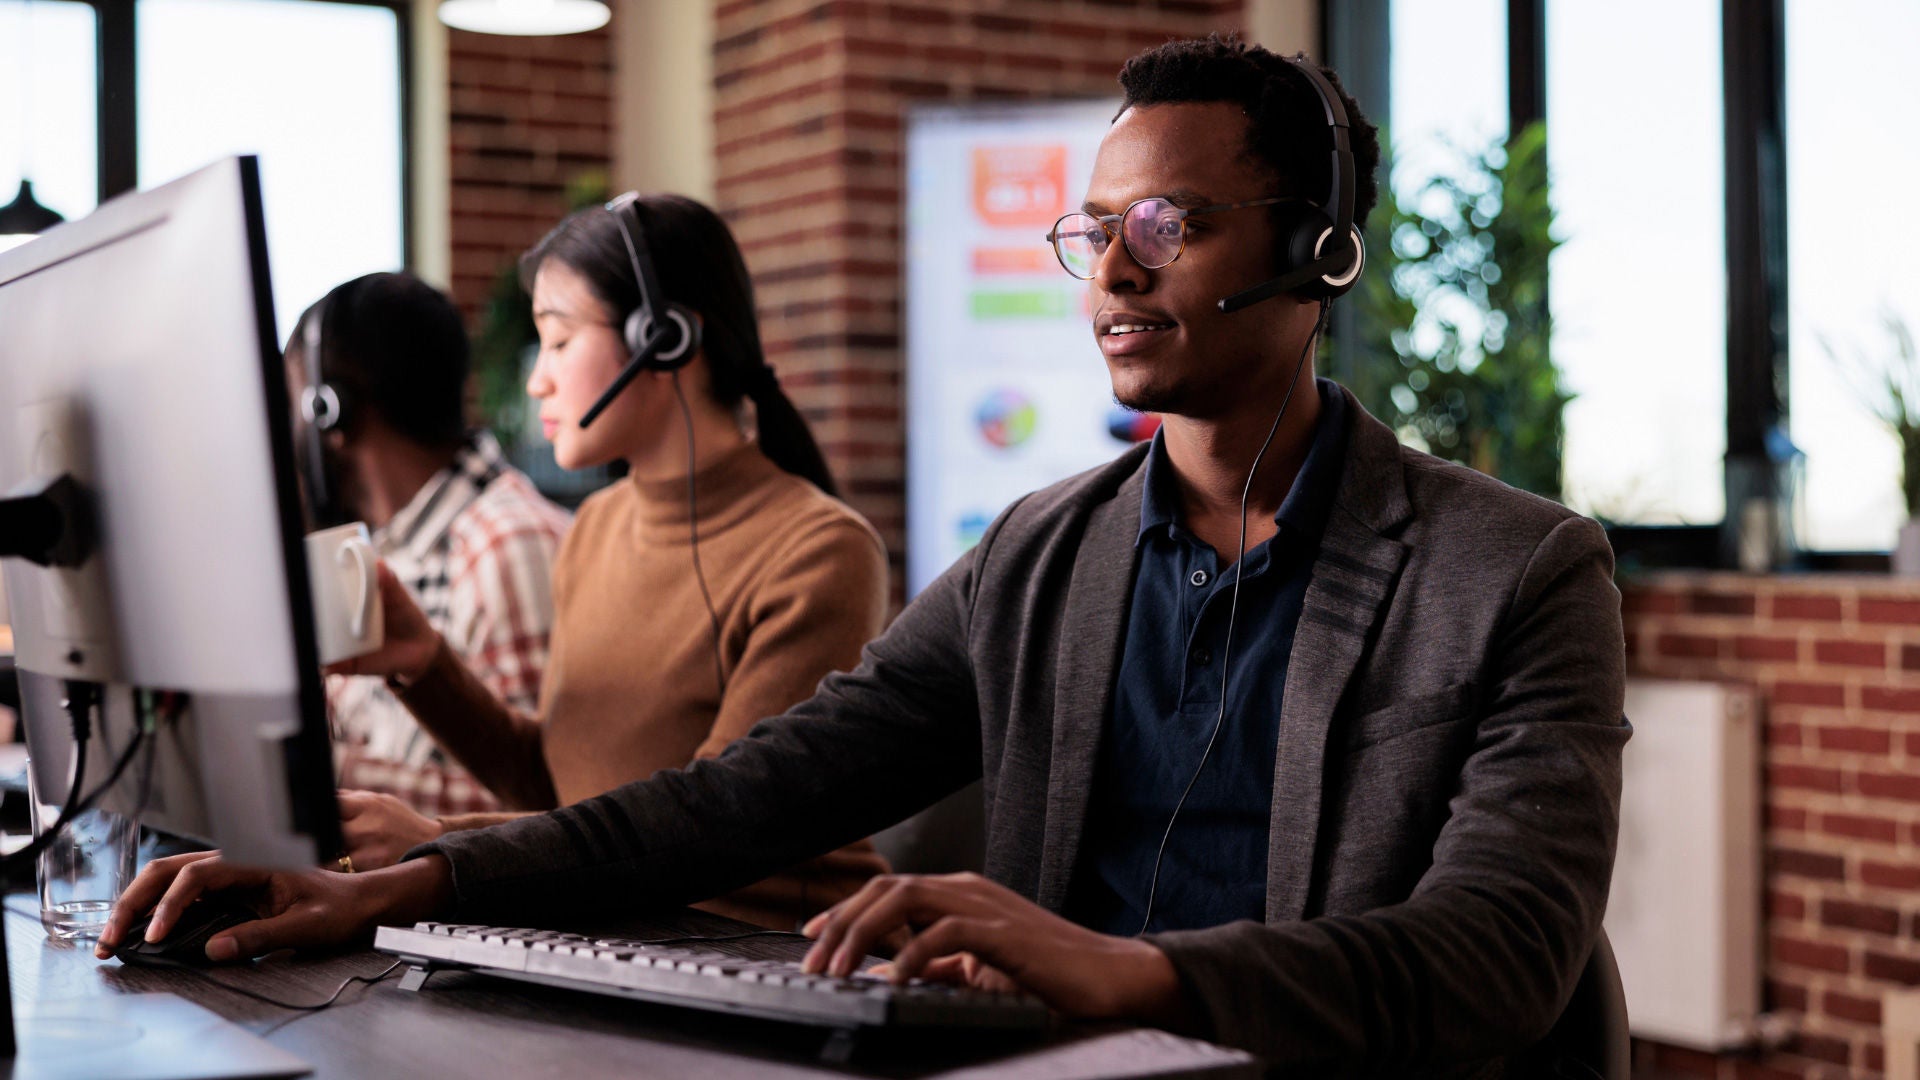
pixel 276 1002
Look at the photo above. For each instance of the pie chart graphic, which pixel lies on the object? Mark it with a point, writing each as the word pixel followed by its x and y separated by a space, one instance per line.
pixel 1006 418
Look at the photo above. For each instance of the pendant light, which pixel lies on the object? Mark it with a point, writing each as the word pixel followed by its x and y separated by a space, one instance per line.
pixel 23 217
pixel 526 18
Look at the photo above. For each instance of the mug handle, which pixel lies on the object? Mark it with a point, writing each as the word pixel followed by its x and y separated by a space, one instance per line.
pixel 368 587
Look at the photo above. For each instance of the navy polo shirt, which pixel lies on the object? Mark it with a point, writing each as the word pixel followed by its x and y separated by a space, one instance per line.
pixel 1167 699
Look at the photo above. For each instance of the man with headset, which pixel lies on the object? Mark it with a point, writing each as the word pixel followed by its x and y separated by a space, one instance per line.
pixel 1355 813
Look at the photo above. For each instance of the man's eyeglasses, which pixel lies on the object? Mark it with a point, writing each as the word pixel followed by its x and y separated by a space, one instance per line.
pixel 1153 230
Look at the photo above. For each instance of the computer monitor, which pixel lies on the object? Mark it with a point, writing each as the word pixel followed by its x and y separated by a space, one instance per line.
pixel 138 356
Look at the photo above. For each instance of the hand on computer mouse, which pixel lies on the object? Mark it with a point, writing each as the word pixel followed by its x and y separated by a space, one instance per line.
pixel 186 945
pixel 298 909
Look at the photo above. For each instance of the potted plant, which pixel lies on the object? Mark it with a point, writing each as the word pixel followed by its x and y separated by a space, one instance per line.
pixel 1889 387
pixel 1454 340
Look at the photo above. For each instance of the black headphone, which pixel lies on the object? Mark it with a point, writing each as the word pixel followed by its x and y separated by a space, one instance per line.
pixel 665 343
pixel 1304 229
pixel 322 409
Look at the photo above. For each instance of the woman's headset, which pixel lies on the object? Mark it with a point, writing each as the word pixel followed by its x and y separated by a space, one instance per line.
pixel 666 342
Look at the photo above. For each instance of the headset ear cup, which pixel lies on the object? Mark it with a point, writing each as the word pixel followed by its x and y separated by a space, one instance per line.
pixel 679 350
pixel 1338 284
pixel 634 331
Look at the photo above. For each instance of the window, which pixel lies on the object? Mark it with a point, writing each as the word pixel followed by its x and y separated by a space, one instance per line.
pixel 1850 88
pixel 48 132
pixel 1638 287
pixel 314 88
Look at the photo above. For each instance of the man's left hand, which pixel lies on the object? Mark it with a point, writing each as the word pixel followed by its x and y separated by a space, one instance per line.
pixel 378 829
pixel 968 929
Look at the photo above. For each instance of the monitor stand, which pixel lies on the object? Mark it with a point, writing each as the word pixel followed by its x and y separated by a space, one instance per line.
pixel 127 1037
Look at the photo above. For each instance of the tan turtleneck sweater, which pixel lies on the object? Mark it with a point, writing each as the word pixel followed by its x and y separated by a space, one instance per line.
pixel 798 582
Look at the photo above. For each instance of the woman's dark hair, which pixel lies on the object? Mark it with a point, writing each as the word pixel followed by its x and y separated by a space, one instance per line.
pixel 698 265
pixel 393 346
pixel 1286 125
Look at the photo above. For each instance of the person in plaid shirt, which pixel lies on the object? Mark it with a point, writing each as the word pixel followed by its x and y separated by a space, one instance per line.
pixel 465 532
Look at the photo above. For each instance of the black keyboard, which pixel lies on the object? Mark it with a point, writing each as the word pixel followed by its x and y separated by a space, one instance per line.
pixel 704 975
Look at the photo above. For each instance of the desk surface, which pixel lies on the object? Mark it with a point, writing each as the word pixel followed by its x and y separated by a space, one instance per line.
pixel 463 1024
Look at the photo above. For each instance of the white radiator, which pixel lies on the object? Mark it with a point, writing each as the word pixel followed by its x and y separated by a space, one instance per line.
pixel 1684 917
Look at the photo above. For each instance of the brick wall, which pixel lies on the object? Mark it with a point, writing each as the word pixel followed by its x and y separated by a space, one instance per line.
pixel 1837 660
pixel 528 116
pixel 810 98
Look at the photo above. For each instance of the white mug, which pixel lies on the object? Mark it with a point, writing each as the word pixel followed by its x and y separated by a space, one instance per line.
pixel 341 570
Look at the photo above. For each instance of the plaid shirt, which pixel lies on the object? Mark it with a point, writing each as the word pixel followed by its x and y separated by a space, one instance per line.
pixel 475 546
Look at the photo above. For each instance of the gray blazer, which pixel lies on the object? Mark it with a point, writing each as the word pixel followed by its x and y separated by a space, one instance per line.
pixel 1446 791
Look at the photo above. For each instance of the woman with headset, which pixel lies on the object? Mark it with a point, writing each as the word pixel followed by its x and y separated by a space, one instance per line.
pixel 713 586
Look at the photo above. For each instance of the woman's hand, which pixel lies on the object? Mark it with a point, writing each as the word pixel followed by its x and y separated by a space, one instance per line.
pixel 378 829
pixel 298 909
pixel 408 643
pixel 968 929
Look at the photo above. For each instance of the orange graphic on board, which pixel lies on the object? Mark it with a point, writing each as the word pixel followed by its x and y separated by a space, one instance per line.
pixel 1019 185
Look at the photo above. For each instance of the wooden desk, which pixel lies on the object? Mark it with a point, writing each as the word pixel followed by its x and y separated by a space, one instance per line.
pixel 463 1024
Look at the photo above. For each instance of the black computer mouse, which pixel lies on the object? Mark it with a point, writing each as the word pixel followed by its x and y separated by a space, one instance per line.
pixel 186 946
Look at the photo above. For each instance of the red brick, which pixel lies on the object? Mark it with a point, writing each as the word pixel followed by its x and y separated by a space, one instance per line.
pixel 1890 698
pixel 1886 875
pixel 1805 778
pixel 1863 654
pixel 1913 743
pixel 1798 952
pixel 1806 606
pixel 1784 735
pixel 1889 786
pixel 1756 1070
pixel 1785 906
pixel 1718 603
pixel 1802 693
pixel 1821 1048
pixel 1849 915
pixel 1787 818
pixel 1636 600
pixel 1861 827
pixel 1783 650
pixel 1875 1055
pixel 1687 646
pixel 1848 1007
pixel 1887 967
pixel 1898 612
pixel 1855 740
pixel 1807 864
pixel 1910 657
pixel 1791 997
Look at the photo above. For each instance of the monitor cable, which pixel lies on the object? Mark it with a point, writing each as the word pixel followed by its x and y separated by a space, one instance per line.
pixel 82 698
pixel 1233 610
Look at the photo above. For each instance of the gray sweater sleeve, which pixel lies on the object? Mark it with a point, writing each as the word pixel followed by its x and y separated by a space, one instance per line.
pixel 1486 951
pixel 868 749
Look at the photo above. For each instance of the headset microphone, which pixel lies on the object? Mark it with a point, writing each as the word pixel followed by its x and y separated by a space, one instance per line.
pixel 664 343
pixel 1304 231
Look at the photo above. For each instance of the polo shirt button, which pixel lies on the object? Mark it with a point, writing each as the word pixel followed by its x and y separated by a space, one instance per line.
pixel 1199 578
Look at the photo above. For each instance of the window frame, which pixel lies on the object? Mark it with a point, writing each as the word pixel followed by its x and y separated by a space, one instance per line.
pixel 1355 38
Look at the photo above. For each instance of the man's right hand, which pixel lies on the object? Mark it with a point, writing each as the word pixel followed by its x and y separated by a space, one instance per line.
pixel 409 642
pixel 297 909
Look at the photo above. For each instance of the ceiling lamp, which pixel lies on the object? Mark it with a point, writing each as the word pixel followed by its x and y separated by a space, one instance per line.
pixel 23 217
pixel 525 17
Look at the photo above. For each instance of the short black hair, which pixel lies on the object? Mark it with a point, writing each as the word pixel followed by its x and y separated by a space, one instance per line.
pixel 1286 124
pixel 394 346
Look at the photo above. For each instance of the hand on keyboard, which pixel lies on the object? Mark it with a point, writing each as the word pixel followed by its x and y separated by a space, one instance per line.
pixel 970 929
